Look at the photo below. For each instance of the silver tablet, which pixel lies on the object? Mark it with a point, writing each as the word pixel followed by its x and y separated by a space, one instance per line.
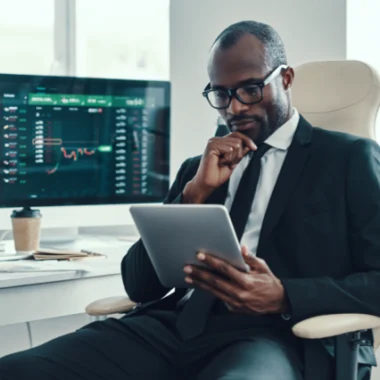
pixel 174 234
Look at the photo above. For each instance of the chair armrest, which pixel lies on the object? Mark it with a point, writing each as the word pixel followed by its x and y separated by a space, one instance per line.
pixel 336 324
pixel 110 305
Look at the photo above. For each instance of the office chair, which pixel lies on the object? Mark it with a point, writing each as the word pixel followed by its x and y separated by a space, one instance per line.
pixel 341 96
pixel 336 95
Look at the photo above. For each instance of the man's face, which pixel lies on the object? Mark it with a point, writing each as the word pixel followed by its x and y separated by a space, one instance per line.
pixel 246 63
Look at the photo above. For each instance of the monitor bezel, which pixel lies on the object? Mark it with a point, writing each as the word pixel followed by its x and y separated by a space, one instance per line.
pixel 94 82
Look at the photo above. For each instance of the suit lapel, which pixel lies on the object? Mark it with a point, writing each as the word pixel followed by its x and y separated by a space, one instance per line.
pixel 291 170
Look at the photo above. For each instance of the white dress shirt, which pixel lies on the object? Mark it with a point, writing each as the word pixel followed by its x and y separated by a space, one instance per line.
pixel 271 164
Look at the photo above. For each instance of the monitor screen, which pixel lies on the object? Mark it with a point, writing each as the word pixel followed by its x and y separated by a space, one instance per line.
pixel 81 141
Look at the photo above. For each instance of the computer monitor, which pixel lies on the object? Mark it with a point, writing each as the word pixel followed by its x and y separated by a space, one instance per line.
pixel 82 142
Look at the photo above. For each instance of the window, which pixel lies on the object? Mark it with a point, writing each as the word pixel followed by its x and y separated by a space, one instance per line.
pixel 26 36
pixel 96 38
pixel 123 38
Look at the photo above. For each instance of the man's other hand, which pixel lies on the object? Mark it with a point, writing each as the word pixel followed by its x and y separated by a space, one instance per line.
pixel 219 159
pixel 256 292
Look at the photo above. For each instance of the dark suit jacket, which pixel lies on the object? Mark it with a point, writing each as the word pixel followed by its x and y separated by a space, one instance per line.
pixel 321 231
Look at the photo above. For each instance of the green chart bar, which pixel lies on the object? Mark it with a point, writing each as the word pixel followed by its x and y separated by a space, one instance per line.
pixel 88 100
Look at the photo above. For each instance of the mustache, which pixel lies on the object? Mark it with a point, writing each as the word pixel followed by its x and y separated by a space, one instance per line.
pixel 237 119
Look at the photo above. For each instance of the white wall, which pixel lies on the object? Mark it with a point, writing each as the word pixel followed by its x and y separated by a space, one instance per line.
pixel 363 31
pixel 311 30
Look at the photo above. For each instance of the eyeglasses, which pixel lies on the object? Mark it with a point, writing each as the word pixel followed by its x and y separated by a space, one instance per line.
pixel 220 98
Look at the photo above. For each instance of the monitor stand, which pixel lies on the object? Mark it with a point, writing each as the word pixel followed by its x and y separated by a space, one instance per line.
pixel 49 236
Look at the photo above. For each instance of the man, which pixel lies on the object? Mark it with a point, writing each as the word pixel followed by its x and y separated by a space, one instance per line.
pixel 311 241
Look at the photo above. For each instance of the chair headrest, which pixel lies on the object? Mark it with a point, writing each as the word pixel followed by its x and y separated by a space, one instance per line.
pixel 338 95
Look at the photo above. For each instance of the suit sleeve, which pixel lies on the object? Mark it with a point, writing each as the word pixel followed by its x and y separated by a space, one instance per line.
pixel 139 277
pixel 360 291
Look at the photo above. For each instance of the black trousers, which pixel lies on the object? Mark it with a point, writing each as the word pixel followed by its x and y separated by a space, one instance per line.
pixel 147 346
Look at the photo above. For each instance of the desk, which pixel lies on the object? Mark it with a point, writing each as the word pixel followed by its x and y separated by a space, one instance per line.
pixel 26 297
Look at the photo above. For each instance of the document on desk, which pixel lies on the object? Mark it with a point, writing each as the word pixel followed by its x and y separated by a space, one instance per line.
pixel 32 266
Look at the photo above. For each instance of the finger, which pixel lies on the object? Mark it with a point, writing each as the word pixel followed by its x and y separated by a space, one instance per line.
pixel 255 262
pixel 246 143
pixel 245 251
pixel 221 142
pixel 219 147
pixel 225 150
pixel 235 156
pixel 225 269
pixel 226 159
pixel 238 153
pixel 216 292
pixel 229 159
pixel 246 140
pixel 240 149
pixel 222 284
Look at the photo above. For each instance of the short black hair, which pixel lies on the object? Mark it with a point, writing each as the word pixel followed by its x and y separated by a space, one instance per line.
pixel 263 32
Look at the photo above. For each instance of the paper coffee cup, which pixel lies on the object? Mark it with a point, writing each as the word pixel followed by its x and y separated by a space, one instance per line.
pixel 26 226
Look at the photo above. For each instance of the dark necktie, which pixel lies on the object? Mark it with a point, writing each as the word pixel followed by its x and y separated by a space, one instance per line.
pixel 193 317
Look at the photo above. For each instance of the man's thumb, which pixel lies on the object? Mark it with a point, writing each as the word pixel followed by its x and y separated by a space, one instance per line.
pixel 253 261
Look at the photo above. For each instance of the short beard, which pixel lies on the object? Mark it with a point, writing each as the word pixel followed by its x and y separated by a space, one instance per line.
pixel 279 119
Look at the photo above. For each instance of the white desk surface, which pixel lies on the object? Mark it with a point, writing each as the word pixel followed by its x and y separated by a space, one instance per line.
pixel 32 296
pixel 113 248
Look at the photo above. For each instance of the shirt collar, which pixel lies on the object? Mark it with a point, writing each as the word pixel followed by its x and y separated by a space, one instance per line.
pixel 283 136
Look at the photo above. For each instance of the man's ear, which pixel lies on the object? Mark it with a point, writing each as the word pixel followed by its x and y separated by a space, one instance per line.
pixel 288 78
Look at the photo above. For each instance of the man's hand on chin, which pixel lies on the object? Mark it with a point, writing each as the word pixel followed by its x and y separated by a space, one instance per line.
pixel 220 158
pixel 256 292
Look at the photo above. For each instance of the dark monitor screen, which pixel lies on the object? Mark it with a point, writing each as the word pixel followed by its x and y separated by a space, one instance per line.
pixel 81 141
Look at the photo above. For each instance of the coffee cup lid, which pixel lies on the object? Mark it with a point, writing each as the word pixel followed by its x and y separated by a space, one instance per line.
pixel 26 212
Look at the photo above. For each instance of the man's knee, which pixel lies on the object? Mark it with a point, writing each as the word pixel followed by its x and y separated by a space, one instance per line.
pixel 257 359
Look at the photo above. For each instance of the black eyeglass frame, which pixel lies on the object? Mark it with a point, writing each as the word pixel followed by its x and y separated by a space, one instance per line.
pixel 232 92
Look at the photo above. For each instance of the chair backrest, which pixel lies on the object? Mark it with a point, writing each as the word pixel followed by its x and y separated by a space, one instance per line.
pixel 342 96
pixel 338 95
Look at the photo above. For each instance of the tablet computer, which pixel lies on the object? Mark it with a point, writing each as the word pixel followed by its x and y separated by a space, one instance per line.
pixel 174 234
